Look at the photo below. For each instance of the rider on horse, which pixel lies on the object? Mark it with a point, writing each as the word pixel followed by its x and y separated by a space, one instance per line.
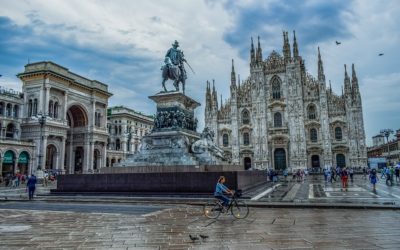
pixel 174 68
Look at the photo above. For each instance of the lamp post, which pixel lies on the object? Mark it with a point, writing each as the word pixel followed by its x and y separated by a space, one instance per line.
pixel 42 121
pixel 386 133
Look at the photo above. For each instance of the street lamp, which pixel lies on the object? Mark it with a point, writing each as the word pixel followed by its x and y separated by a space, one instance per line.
pixel 42 121
pixel 386 133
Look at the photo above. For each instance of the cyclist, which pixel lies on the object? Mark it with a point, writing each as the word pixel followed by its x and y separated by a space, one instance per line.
pixel 221 190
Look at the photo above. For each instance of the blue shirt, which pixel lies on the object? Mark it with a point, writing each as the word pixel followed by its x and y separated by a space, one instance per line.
pixel 31 182
pixel 219 189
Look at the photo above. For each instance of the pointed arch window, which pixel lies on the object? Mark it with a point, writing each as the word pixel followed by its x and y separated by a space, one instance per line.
pixel 245 117
pixel 338 133
pixel 51 107
pixel 277 120
pixel 312 112
pixel 313 135
pixel 276 88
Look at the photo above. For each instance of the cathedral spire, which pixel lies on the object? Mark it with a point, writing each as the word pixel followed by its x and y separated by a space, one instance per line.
pixel 252 53
pixel 221 100
pixel 295 48
pixel 233 74
pixel 208 96
pixel 347 84
pixel 321 75
pixel 259 51
pixel 286 47
pixel 354 80
pixel 214 96
pixel 239 81
pixel 330 86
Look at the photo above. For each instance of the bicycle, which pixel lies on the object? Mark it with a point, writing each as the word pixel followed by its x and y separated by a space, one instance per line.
pixel 239 209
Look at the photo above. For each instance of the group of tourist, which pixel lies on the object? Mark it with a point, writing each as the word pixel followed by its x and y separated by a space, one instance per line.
pixel 13 181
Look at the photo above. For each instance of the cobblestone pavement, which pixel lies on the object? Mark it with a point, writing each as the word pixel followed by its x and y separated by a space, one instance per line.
pixel 265 228
pixel 315 189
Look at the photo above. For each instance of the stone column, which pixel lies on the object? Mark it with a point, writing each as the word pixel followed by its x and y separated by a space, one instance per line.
pixel 44 152
pixel 1 165
pixel 62 151
pixel 71 157
pixel 104 156
pixel 64 117
pixel 46 102
pixel 16 164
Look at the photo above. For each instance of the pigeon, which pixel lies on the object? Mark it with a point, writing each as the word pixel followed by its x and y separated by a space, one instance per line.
pixel 337 43
pixel 193 238
pixel 380 54
pixel 203 236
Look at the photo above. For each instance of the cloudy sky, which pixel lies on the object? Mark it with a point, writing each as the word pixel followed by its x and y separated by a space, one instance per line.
pixel 123 43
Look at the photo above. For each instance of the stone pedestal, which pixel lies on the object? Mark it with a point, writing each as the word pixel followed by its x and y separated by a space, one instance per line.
pixel 169 143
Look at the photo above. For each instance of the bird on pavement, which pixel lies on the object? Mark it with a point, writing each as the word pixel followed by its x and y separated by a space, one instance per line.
pixel 380 54
pixel 193 238
pixel 337 43
pixel 203 236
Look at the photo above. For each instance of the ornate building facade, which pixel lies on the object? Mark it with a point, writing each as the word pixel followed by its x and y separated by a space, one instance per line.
pixel 282 117
pixel 16 155
pixel 65 115
pixel 126 127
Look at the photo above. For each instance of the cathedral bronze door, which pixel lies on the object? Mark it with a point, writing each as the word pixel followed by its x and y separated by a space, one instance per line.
pixel 315 161
pixel 280 159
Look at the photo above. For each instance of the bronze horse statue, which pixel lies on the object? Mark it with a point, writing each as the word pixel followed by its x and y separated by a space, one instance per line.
pixel 172 72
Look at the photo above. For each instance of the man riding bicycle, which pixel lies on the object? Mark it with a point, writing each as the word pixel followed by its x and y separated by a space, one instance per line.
pixel 221 190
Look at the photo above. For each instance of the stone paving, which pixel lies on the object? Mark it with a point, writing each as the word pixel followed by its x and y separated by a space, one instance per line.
pixel 265 228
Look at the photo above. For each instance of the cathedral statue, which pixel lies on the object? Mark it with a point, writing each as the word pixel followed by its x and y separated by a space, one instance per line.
pixel 174 68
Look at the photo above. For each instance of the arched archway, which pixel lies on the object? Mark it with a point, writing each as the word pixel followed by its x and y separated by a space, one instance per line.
pixel 280 159
pixel 51 157
pixel 8 163
pixel 77 117
pixel 23 162
pixel 79 157
pixel 112 162
pixel 10 129
pixel 247 163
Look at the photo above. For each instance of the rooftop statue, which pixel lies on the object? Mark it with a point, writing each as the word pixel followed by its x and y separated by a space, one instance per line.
pixel 173 67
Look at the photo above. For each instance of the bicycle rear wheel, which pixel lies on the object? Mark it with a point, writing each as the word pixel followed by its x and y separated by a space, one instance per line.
pixel 240 210
pixel 212 209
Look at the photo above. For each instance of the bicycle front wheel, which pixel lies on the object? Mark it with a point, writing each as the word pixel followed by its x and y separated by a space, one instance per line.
pixel 212 209
pixel 240 210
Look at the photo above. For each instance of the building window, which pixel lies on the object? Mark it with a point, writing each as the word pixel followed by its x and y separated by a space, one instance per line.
pixel 276 88
pixel 51 107
pixel 246 138
pixel 338 133
pixel 35 107
pixel 313 135
pixel 312 113
pixel 117 144
pixel 1 108
pixel 277 120
pixel 30 108
pixel 225 140
pixel 55 115
pixel 245 117
pixel 16 111
pixel 9 110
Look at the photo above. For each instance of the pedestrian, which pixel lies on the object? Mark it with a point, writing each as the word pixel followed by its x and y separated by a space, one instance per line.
pixel 351 172
pixel 285 174
pixel 364 173
pixel 31 186
pixel 388 177
pixel 373 177
pixel 344 176
pixel 397 173
pixel 326 175
pixel 383 173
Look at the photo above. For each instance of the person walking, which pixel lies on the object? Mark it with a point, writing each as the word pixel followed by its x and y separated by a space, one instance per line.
pixel 31 185
pixel 351 172
pixel 364 173
pixel 344 176
pixel 373 178
pixel 397 173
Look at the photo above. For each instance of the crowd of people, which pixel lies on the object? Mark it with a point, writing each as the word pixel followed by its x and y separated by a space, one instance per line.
pixel 14 181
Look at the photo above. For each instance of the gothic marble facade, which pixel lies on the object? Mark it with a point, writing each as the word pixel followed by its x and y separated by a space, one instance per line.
pixel 282 117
